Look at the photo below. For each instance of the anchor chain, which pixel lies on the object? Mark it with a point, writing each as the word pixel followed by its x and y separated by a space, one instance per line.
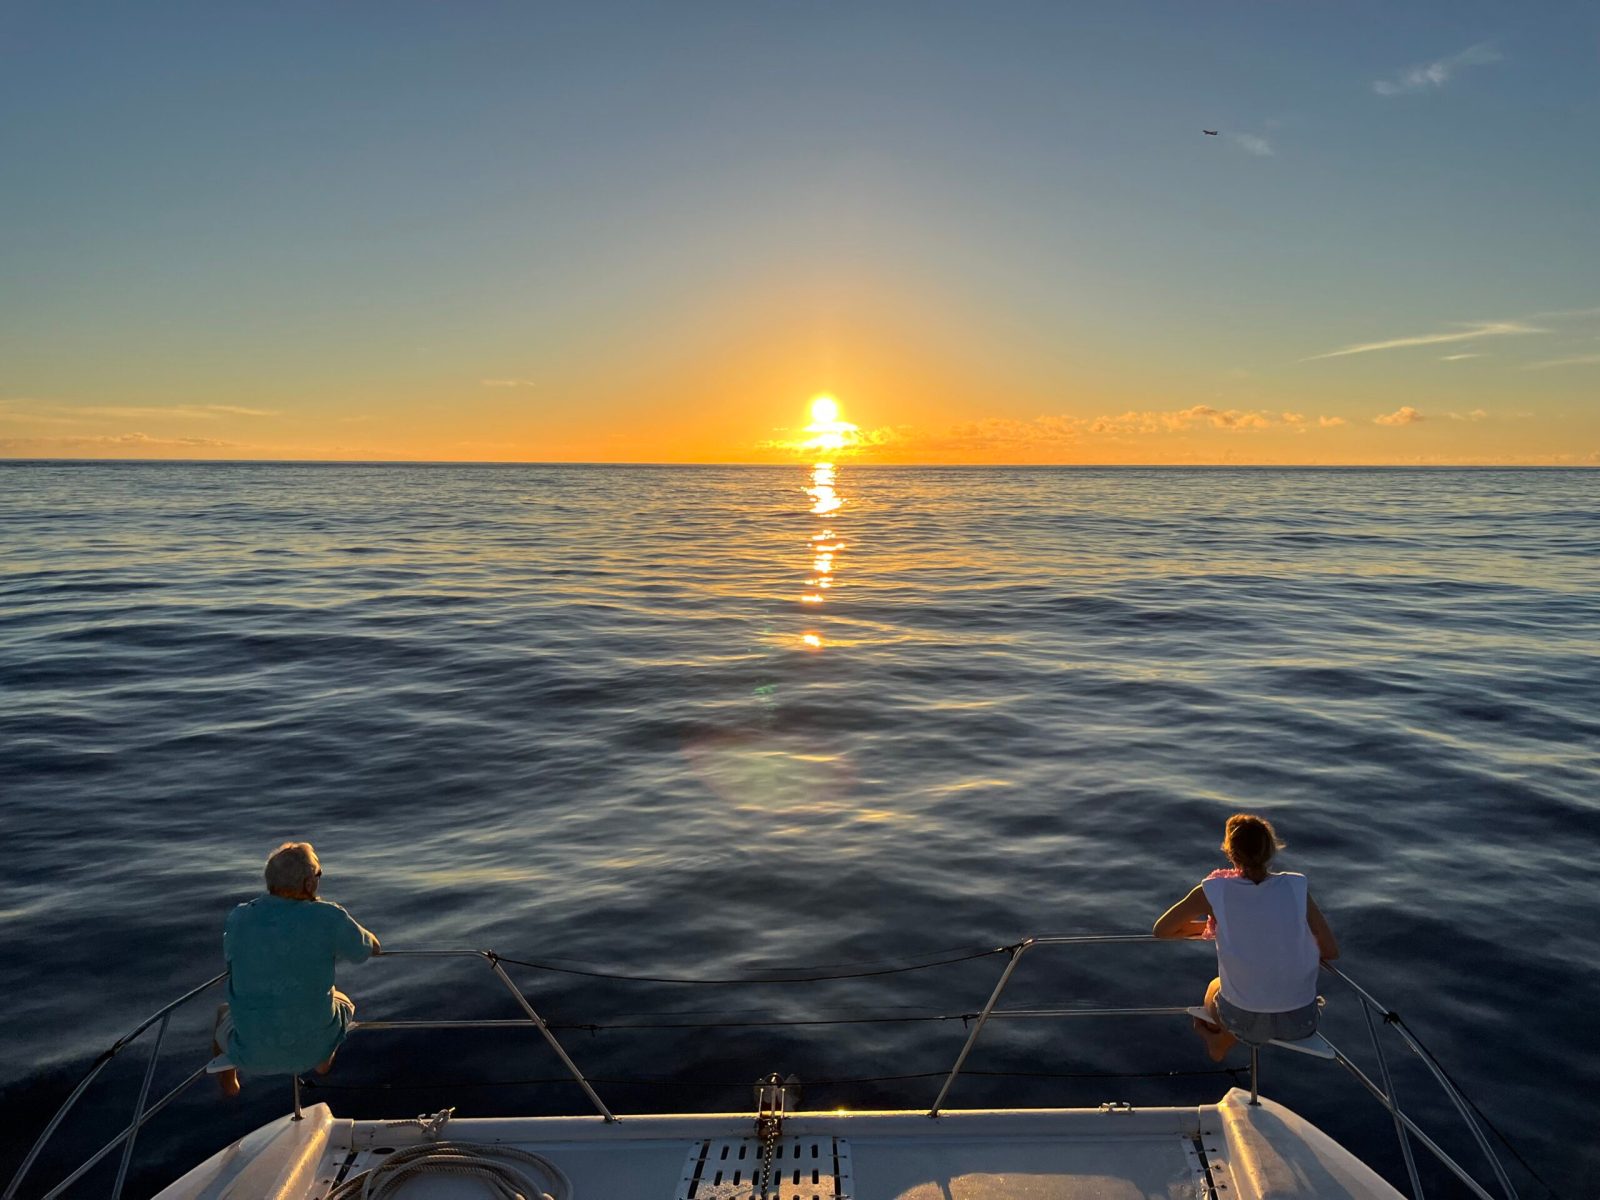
pixel 772 1098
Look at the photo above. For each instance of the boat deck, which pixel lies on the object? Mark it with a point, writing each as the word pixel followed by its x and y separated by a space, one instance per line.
pixel 1226 1151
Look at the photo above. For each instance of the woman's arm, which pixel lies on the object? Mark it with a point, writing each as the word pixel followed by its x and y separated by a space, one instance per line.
pixel 1327 944
pixel 1186 918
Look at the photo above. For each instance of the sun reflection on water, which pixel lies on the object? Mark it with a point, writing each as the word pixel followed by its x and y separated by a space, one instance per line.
pixel 825 545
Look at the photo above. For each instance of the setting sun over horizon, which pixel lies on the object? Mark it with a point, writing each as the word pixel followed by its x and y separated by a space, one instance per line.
pixel 255 253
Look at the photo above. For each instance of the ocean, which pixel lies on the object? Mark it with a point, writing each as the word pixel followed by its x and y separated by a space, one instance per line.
pixel 698 722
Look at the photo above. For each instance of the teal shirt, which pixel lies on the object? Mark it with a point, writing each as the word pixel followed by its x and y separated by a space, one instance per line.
pixel 280 956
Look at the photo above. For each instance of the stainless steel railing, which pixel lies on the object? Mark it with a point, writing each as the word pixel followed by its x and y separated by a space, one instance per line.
pixel 1406 1127
pixel 1385 1095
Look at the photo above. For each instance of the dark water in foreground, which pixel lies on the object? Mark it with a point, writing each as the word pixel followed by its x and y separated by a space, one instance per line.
pixel 569 713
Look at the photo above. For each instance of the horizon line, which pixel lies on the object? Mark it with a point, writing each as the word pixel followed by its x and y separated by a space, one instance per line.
pixel 1088 466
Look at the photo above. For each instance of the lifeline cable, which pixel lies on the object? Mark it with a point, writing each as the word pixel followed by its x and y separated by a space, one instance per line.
pixel 594 973
pixel 1394 1018
pixel 1234 1073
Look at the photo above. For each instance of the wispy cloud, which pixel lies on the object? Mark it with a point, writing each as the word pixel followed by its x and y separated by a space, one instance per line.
pixel 1252 143
pixel 1003 434
pixel 1458 357
pixel 508 383
pixel 1476 330
pixel 1404 415
pixel 201 412
pixel 121 441
pixel 1577 360
pixel 1437 73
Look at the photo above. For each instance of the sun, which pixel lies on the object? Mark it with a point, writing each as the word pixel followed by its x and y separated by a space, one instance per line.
pixel 827 431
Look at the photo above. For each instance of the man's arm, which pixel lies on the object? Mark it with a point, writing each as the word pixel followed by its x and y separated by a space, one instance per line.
pixel 353 943
pixel 1186 918
pixel 1327 944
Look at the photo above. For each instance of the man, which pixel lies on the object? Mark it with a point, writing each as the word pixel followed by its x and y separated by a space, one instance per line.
pixel 283 1014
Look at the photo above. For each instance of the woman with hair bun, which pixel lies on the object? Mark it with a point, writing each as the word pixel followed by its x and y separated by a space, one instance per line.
pixel 1270 938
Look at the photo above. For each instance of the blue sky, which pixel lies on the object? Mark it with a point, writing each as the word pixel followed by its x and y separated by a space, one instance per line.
pixel 659 228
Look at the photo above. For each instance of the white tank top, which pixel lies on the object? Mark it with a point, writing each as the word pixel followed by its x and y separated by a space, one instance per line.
pixel 1266 956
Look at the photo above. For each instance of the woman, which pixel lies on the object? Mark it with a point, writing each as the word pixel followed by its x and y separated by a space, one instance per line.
pixel 1270 937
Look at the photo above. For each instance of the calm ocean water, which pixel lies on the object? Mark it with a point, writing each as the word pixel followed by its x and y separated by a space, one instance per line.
pixel 572 714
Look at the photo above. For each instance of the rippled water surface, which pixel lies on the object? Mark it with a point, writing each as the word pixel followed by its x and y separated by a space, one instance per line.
pixel 688 722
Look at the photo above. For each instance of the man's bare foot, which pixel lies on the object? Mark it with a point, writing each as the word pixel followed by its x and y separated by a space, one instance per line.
pixel 227 1080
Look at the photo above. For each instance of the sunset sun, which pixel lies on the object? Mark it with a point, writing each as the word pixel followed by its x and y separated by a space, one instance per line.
pixel 827 431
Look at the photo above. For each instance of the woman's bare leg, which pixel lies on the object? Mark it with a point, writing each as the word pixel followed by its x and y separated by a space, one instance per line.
pixel 1218 1040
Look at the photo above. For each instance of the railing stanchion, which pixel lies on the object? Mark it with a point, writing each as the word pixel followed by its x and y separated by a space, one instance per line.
pixel 94 1159
pixel 138 1109
pixel 1443 1080
pixel 594 1098
pixel 298 1115
pixel 1255 1076
pixel 1461 1107
pixel 1017 952
pixel 1394 1101
pixel 94 1071
pixel 1432 1146
pixel 49 1130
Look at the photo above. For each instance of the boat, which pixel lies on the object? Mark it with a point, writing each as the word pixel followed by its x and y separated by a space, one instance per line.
pixel 1244 1146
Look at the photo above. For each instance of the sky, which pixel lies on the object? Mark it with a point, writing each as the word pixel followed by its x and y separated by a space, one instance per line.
pixel 994 233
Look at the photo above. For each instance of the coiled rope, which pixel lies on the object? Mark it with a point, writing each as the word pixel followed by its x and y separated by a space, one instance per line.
pixel 496 1166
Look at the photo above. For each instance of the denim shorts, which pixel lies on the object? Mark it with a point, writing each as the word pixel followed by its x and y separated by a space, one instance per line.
pixel 1257 1029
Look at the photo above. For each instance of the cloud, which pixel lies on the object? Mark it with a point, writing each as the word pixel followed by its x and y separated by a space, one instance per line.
pixel 1458 357
pixel 1437 73
pixel 121 441
pixel 202 412
pixel 1252 144
pixel 1577 360
pixel 1404 415
pixel 999 433
pixel 1476 414
pixel 508 383
pixel 1476 330
pixel 1176 421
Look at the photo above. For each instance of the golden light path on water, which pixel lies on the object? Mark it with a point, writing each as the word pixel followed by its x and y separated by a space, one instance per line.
pixel 828 434
pixel 825 545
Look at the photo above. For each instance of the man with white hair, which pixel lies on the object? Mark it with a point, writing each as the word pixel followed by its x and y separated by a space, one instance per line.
pixel 283 1014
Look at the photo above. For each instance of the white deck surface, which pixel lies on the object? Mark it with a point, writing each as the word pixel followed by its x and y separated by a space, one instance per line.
pixel 1227 1151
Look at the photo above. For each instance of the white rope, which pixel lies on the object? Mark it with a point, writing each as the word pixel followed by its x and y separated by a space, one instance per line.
pixel 505 1181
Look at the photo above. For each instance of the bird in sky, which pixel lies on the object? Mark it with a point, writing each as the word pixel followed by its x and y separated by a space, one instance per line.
pixel 1209 132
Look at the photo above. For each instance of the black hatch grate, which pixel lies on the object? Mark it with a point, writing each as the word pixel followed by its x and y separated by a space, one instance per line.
pixel 803 1168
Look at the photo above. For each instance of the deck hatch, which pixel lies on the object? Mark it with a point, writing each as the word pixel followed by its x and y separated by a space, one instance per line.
pixel 810 1167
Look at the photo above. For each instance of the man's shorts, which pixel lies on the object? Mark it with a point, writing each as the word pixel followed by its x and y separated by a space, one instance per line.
pixel 222 1029
pixel 1257 1029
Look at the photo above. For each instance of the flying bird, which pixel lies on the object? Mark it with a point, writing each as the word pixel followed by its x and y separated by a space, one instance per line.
pixel 1209 132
